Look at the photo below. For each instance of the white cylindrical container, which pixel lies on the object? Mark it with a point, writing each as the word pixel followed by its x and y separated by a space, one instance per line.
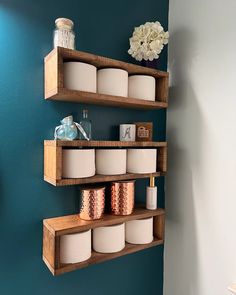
pixel 109 239
pixel 151 197
pixel 75 247
pixel 113 82
pixel 80 76
pixel 139 231
pixel 127 132
pixel 141 160
pixel 111 162
pixel 78 163
pixel 142 87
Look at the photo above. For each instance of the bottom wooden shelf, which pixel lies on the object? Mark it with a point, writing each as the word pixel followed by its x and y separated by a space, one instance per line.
pixel 54 228
pixel 99 257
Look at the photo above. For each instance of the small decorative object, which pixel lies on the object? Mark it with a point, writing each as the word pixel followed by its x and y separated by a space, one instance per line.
pixel 148 41
pixel 144 131
pixel 78 163
pixel 80 76
pixel 109 239
pixel 113 82
pixel 68 130
pixel 139 231
pixel 63 34
pixel 141 160
pixel 122 197
pixel 92 203
pixel 75 248
pixel 151 195
pixel 127 132
pixel 86 124
pixel 111 162
pixel 142 87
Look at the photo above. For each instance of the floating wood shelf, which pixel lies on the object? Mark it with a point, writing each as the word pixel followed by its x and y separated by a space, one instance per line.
pixel 53 160
pixel 53 228
pixel 55 90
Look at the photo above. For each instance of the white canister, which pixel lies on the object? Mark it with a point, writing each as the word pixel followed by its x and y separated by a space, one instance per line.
pixel 127 132
pixel 78 163
pixel 141 160
pixel 142 87
pixel 111 162
pixel 113 82
pixel 75 248
pixel 109 239
pixel 80 76
pixel 139 231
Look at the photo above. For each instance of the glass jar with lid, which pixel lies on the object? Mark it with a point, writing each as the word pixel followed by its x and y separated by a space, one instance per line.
pixel 64 35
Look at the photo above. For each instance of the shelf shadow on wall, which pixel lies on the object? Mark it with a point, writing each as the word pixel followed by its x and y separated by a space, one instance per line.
pixel 184 141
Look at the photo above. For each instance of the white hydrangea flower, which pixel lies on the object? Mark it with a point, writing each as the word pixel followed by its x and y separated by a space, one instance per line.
pixel 148 41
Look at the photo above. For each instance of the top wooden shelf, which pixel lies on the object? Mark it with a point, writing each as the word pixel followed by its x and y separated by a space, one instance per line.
pixel 55 90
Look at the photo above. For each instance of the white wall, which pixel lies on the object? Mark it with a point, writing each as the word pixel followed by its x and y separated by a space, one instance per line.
pixel 200 251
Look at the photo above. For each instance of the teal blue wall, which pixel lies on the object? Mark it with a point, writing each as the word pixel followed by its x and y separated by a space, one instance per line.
pixel 102 27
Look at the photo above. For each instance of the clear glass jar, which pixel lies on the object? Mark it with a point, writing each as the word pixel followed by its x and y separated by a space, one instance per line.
pixel 64 35
pixel 86 125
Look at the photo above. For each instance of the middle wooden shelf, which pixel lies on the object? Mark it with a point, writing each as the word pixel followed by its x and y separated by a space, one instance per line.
pixel 53 160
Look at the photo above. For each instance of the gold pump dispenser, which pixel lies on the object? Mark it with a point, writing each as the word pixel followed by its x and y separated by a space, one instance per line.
pixel 152 181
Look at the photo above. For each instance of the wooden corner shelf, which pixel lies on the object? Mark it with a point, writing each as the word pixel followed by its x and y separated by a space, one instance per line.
pixel 53 161
pixel 55 90
pixel 53 228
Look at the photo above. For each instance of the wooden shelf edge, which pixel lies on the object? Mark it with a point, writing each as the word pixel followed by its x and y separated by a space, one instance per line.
pixel 52 270
pixel 100 178
pixel 99 257
pixel 68 95
pixel 50 180
pixel 71 224
pixel 104 143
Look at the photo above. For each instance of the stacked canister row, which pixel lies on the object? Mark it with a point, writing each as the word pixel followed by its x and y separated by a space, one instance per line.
pixel 77 247
pixel 79 163
pixel 111 81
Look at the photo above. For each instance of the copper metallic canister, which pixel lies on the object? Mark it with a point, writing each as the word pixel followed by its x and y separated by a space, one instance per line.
pixel 92 203
pixel 122 197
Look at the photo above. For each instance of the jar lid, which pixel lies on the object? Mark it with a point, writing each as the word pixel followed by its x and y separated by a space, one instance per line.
pixel 64 23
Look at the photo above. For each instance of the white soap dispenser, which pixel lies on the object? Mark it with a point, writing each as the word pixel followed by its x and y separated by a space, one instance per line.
pixel 151 195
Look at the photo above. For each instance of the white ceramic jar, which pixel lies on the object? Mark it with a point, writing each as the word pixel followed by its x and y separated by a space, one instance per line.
pixel 113 82
pixel 109 239
pixel 139 231
pixel 75 248
pixel 80 76
pixel 142 87
pixel 78 163
pixel 141 160
pixel 111 162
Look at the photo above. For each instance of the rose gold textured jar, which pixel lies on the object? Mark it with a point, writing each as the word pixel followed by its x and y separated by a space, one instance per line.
pixel 92 203
pixel 122 197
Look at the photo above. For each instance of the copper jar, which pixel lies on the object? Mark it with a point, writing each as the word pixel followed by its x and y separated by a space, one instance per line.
pixel 92 203
pixel 122 197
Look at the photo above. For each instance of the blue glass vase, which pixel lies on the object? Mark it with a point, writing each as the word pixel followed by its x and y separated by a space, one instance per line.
pixel 67 130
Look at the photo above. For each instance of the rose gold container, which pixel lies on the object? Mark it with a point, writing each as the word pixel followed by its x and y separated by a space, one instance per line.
pixel 122 197
pixel 92 203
